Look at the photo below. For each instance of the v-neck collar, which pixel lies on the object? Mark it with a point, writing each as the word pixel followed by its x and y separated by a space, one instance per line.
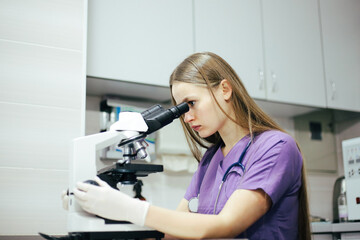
pixel 233 155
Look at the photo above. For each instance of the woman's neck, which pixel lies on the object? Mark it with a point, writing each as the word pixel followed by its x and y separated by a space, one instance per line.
pixel 231 135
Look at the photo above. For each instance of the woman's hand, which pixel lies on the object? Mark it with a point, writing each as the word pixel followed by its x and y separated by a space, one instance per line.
pixel 109 203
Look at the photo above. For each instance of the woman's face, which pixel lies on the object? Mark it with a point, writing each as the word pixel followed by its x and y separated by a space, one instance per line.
pixel 204 115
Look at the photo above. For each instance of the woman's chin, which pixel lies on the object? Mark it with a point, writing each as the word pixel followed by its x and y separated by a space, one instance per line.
pixel 203 134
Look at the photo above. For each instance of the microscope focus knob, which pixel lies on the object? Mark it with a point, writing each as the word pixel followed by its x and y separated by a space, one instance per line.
pixel 92 182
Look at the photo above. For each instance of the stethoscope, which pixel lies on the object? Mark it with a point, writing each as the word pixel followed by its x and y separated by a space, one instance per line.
pixel 194 202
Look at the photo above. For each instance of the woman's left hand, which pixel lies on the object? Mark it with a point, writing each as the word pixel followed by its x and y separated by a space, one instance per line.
pixel 109 203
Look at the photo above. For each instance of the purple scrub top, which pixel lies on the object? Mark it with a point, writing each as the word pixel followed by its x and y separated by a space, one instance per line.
pixel 272 163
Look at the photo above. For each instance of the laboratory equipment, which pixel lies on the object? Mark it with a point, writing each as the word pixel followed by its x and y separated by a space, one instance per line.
pixel 351 158
pixel 128 133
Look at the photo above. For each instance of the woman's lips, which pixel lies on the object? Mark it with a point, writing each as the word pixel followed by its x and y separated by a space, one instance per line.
pixel 196 128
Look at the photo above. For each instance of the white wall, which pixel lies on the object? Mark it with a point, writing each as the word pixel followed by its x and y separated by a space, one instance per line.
pixel 42 102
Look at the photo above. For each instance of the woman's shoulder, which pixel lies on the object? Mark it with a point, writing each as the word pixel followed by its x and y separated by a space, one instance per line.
pixel 274 144
pixel 274 137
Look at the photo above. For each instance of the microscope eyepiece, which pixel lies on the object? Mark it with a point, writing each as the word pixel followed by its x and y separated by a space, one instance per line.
pixel 180 109
pixel 157 117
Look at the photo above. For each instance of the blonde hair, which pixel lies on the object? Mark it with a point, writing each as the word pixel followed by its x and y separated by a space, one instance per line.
pixel 209 69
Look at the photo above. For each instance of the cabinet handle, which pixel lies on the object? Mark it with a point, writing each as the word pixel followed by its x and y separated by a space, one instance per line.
pixel 333 90
pixel 274 87
pixel 261 77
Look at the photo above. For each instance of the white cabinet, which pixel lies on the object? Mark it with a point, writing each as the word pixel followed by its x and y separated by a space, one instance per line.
pixel 293 53
pixel 278 48
pixel 232 29
pixel 274 46
pixel 341 40
pixel 138 41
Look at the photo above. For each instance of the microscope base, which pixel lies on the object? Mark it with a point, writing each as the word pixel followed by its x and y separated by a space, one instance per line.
pixel 84 226
pixel 116 235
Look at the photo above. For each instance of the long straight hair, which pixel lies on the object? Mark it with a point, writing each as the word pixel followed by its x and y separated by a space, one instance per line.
pixel 209 69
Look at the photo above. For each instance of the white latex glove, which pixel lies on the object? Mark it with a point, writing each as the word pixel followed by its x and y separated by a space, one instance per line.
pixel 65 200
pixel 109 203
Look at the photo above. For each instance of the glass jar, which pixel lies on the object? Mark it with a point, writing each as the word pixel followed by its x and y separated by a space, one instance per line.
pixel 342 203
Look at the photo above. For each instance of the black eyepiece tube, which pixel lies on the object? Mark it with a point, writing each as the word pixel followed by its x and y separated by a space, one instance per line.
pixel 180 109
pixel 152 110
pixel 161 117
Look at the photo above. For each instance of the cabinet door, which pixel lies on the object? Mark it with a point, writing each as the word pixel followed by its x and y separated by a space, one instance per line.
pixel 293 53
pixel 232 29
pixel 138 41
pixel 341 39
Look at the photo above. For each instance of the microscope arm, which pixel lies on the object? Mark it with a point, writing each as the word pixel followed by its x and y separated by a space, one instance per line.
pixel 83 161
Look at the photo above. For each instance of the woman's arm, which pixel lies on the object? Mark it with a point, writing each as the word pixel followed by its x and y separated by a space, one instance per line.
pixel 242 209
pixel 183 206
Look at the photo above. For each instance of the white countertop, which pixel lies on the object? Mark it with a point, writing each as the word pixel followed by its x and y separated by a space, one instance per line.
pixel 328 227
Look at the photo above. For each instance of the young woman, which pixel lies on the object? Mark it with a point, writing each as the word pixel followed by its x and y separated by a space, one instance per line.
pixel 250 182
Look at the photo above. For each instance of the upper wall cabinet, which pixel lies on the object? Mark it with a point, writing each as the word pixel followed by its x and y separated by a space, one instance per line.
pixel 341 40
pixel 293 53
pixel 138 41
pixel 232 29
pixel 274 46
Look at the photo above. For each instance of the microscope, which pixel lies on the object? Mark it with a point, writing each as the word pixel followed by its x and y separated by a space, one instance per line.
pixel 127 135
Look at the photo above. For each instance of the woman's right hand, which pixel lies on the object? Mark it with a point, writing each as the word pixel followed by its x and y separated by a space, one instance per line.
pixel 65 199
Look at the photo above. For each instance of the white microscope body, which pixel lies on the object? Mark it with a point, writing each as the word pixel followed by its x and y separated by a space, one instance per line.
pixel 85 163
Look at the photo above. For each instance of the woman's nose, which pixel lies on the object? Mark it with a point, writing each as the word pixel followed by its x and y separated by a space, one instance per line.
pixel 188 117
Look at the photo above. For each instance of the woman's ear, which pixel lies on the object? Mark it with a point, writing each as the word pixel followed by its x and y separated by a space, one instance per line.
pixel 226 89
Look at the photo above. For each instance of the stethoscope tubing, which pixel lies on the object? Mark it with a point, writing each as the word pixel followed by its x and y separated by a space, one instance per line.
pixel 227 172
pixel 238 163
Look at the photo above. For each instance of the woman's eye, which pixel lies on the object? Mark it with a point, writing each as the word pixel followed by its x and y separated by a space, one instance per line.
pixel 191 103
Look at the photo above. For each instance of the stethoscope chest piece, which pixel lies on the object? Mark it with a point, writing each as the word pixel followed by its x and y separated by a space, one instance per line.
pixel 193 204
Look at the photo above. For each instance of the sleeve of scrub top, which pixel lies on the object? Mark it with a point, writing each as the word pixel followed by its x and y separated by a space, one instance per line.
pixel 276 169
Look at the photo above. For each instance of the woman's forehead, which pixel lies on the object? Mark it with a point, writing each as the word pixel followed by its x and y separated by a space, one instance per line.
pixel 183 91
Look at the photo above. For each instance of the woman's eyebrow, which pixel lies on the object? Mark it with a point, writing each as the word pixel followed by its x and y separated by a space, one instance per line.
pixel 186 99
